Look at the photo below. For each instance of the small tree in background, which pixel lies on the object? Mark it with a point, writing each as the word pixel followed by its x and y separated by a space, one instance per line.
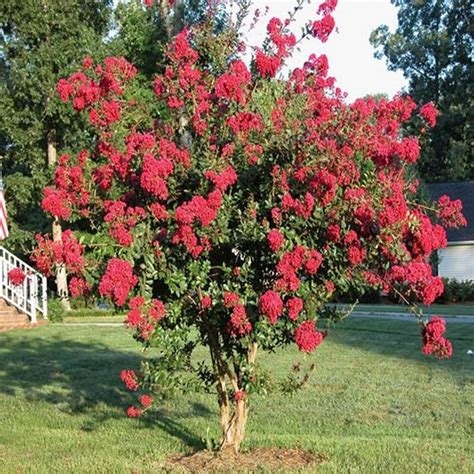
pixel 40 42
pixel 236 238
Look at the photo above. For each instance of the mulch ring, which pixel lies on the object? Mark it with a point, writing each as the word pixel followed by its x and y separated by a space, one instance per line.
pixel 256 460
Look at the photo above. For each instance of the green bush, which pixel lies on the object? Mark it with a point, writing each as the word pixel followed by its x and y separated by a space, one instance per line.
pixel 456 291
pixel 55 310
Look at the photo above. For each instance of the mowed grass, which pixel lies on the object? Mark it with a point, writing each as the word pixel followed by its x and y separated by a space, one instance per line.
pixel 444 310
pixel 374 404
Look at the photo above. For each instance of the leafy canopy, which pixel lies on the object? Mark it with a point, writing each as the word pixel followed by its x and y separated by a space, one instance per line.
pixel 224 207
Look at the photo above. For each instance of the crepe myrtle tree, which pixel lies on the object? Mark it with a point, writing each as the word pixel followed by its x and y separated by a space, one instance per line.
pixel 236 237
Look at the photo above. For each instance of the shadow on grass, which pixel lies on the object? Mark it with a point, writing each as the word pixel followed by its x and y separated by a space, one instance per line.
pixel 402 339
pixel 81 378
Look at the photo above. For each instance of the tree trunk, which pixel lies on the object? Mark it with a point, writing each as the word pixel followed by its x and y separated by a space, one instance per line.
pixel 61 276
pixel 234 414
pixel 233 430
pixel 178 16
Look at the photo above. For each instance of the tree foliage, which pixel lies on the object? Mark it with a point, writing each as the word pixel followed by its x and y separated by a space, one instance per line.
pixel 40 42
pixel 432 45
pixel 224 207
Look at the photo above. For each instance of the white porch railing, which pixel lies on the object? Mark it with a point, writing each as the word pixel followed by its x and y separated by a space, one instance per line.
pixel 29 297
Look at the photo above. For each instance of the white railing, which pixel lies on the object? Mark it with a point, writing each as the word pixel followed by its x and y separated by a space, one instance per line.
pixel 29 297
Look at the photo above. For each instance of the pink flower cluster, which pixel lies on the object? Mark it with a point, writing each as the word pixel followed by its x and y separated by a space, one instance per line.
pixel 275 240
pixel 239 324
pixel 67 251
pixel 433 340
pixel 70 188
pixel 117 281
pixel 16 276
pixel 418 276
pixel 78 286
pixel 130 379
pixel 307 338
pixel 291 262
pixel 429 113
pixel 233 85
pixel 122 220
pixel 97 94
pixel 450 212
pixel 271 305
pixel 143 317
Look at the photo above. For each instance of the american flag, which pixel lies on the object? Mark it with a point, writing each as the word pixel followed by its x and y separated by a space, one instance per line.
pixel 3 213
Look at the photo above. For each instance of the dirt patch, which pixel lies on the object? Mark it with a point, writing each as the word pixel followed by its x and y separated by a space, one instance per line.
pixel 256 460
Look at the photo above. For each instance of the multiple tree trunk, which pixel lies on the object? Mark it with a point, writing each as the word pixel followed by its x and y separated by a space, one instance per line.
pixel 233 413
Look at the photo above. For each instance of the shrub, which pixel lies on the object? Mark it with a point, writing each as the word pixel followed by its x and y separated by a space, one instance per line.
pixel 456 291
pixel 55 310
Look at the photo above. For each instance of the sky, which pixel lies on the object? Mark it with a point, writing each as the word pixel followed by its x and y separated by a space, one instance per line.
pixel 351 57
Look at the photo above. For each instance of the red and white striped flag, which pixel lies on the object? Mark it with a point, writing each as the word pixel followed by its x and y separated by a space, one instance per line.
pixel 3 213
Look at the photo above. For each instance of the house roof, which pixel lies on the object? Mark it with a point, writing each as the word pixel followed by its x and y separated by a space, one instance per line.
pixel 465 192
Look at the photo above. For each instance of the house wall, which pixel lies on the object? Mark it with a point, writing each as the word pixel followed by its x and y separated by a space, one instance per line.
pixel 457 261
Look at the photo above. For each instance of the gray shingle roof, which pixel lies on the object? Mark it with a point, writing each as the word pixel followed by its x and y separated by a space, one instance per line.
pixel 465 192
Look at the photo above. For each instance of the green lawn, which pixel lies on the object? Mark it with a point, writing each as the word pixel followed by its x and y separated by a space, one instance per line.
pixel 444 310
pixel 375 404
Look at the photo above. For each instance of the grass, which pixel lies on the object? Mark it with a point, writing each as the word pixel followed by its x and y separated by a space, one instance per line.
pixel 375 404
pixel 444 310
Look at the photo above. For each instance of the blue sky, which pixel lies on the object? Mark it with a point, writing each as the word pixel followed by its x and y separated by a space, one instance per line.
pixel 349 51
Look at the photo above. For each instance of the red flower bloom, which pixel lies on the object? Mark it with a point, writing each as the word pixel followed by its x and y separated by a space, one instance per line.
pixel 355 255
pixel 313 262
pixel 16 276
pixel 157 310
pixel 223 180
pixel 87 62
pixel 239 325
pixel 450 212
pixel 240 395
pixel 78 287
pixel 429 113
pixel 271 305
pixel 117 281
pixel 136 302
pixel 330 287
pixel 307 338
pixel 146 401
pixel 323 28
pixel 334 233
pixel 294 306
pixel 275 240
pixel 433 340
pixel 129 378
pixel 230 299
pixel 206 302
pixel 267 65
pixel 134 412
pixel 134 318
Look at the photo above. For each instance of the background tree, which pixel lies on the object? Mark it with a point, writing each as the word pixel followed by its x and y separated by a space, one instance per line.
pixel 40 42
pixel 432 45
pixel 141 33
